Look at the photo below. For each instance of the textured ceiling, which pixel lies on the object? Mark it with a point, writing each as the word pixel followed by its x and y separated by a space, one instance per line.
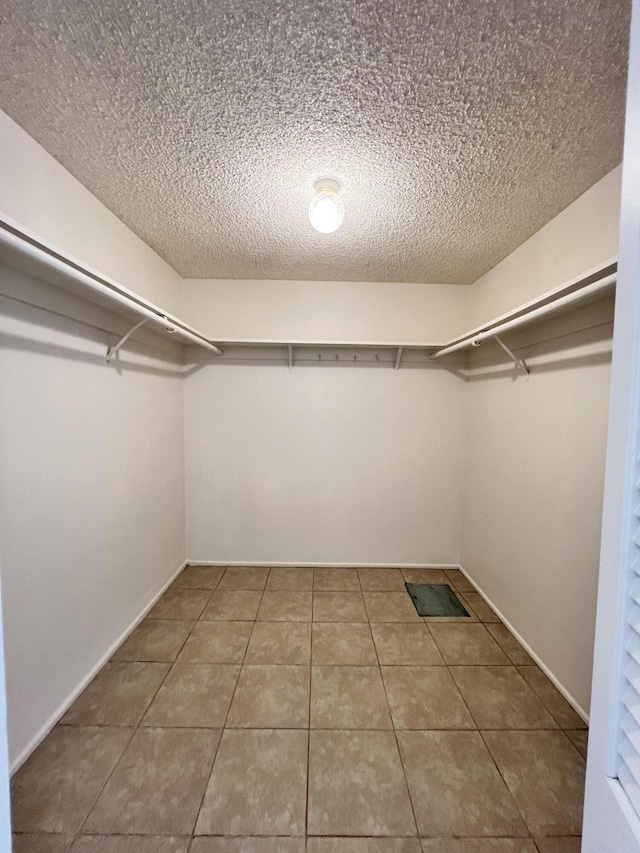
pixel 457 127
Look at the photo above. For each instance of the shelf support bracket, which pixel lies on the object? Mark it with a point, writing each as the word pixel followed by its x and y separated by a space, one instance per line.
pixel 290 350
pixel 514 358
pixel 398 358
pixel 112 351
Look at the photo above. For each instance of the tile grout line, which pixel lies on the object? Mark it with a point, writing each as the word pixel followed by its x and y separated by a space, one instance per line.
pixel 397 742
pixel 199 617
pixel 504 781
pixel 74 836
pixel 480 731
pixel 544 703
pixel 226 717
pixel 477 729
pixel 495 764
pixel 136 728
pixel 215 754
pixel 531 663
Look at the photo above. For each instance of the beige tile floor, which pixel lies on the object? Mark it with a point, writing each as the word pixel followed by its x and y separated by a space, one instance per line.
pixel 309 711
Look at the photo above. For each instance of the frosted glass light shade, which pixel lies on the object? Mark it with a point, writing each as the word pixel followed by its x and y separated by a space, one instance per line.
pixel 326 210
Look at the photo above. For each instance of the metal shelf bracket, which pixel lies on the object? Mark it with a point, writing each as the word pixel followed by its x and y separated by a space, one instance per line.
pixel 112 351
pixel 517 361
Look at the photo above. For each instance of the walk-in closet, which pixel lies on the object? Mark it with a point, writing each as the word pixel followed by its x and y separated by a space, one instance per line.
pixel 318 427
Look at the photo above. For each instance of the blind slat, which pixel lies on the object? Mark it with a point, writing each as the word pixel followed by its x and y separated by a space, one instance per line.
pixel 630 786
pixel 629 722
pixel 635 592
pixel 631 728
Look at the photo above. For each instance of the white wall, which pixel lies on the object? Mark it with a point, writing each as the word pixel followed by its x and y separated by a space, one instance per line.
pixel 535 450
pixel 92 497
pixel 323 464
pixel 326 310
pixel 533 495
pixel 582 236
pixel 92 469
pixel 326 464
pixel 39 194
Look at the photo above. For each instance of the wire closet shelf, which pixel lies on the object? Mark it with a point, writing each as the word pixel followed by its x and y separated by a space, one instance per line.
pixel 21 248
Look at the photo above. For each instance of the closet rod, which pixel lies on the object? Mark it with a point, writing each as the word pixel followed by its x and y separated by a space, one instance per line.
pixel 28 247
pixel 576 296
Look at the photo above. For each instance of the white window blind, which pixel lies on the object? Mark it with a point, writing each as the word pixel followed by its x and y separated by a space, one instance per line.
pixel 629 742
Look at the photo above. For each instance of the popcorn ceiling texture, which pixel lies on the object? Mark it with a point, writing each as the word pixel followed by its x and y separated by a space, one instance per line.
pixel 457 128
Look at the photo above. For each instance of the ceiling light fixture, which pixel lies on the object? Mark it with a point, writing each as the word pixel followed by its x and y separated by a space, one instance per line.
pixel 326 210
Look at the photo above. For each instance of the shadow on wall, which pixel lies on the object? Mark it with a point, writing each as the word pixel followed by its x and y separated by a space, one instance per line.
pixel 17 343
pixel 579 339
pixel 93 328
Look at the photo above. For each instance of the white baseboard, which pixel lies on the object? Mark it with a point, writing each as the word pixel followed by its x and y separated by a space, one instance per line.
pixel 575 705
pixel 321 565
pixel 66 704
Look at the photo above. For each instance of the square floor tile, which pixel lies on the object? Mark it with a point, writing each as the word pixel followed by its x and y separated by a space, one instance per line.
pixel 500 698
pixel 244 577
pixel 285 606
pixel 157 787
pixel 338 607
pixel 467 644
pixel 343 643
pixel 130 844
pixel 288 578
pixel 271 697
pixel 478 845
pixel 458 581
pixel 405 644
pixel 381 580
pixel 390 607
pixel 258 784
pixel 363 845
pixel 508 643
pixel 230 605
pixel 328 580
pixel 580 739
pixel 357 785
pixel 424 575
pixel 551 698
pixel 425 697
pixel 41 843
pixel 194 695
pixel 348 697
pixel 216 642
pixel 155 640
pixel 545 774
pixel 280 642
pixel 559 845
pixel 199 577
pixel 180 604
pixel 250 844
pixel 480 606
pixel 118 695
pixel 55 788
pixel 455 787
